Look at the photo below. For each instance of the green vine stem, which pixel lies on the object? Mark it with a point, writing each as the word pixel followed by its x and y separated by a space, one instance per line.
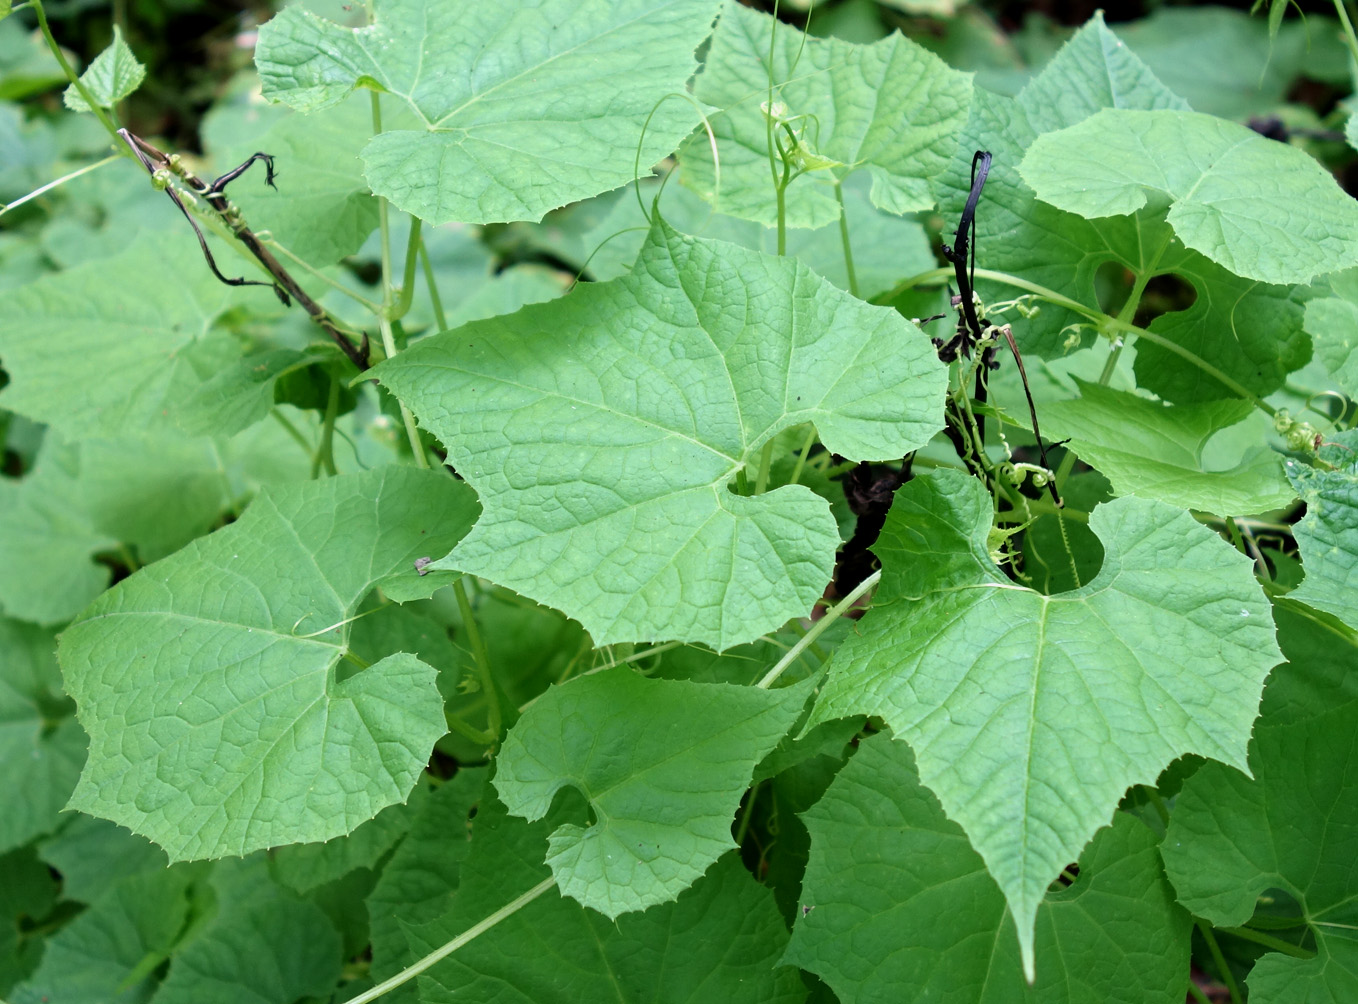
pixel 1219 960
pixel 1341 9
pixel 384 318
pixel 324 457
pixel 434 299
pixel 761 481
pixel 1097 318
pixel 481 657
pixel 37 192
pixel 413 245
pixel 844 238
pixel 312 270
pixel 71 75
pixel 1268 941
pixel 447 949
pixel 802 454
pixel 833 614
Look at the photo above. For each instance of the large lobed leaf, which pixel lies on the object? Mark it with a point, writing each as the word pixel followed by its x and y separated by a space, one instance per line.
pixel 1293 826
pixel 1249 330
pixel 601 431
pixel 892 108
pixel 894 896
pixel 1030 715
pixel 1262 209
pixel 1155 451
pixel 107 346
pixel 521 108
pixel 209 681
pixel 663 792
pixel 720 940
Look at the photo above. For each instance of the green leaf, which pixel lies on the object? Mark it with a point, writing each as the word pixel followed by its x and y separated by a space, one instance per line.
pixel 607 243
pixel 1208 171
pixel 719 942
pixel 1155 451
pixel 114 74
pixel 40 742
pixel 601 431
pixel 151 492
pixel 891 108
pixel 1328 537
pixel 663 793
pixel 27 895
pixel 520 111
pixel 5 7
pixel 894 896
pixel 1332 323
pixel 87 961
pixel 93 855
pixel 321 209
pixel 306 867
pixel 105 347
pixel 210 684
pixel 422 873
pixel 48 542
pixel 262 944
pixel 1035 713
pixel 1292 827
pixel 1249 331
pixel 1223 62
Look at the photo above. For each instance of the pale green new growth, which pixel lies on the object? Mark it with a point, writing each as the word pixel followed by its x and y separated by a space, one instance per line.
pixel 1030 715
pixel 114 74
pixel 1263 210
pixel 602 430
pixel 663 764
pixel 892 108
pixel 519 109
pixel 210 683
pixel 1154 451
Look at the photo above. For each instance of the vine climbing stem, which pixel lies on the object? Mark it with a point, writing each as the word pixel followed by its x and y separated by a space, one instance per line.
pixel 449 947
pixel 384 318
pixel 71 75
pixel 833 614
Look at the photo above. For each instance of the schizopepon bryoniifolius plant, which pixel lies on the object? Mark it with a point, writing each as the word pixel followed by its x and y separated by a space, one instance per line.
pixel 633 500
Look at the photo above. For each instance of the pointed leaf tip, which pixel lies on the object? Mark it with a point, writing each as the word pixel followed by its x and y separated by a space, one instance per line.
pixel 1035 713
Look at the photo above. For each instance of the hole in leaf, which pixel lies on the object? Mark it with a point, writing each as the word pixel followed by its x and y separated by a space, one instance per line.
pixel 1112 285
pixel 1060 553
pixel 1068 876
pixel 1164 294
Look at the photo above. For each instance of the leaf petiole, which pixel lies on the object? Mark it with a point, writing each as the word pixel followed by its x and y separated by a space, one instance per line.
pixel 447 949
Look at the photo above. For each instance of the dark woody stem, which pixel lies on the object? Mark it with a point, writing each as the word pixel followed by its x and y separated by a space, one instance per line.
pixel 284 285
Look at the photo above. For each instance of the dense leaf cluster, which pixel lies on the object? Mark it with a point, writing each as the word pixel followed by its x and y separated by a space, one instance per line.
pixel 537 579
